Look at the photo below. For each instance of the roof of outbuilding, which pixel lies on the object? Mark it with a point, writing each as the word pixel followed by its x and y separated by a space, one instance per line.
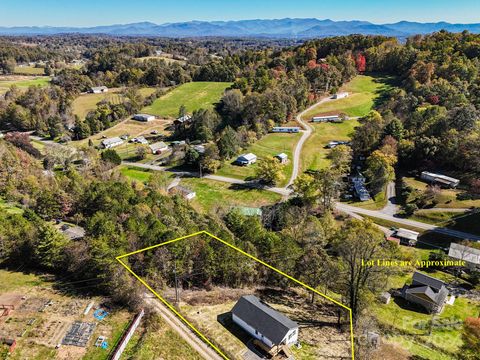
pixel 248 156
pixel 465 253
pixel 267 321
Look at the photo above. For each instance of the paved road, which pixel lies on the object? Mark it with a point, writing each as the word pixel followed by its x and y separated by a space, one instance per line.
pixel 183 330
pixel 391 207
pixel 305 135
pixel 420 225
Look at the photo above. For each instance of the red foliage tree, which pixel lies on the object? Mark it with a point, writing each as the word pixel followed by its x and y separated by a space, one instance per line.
pixel 360 63
pixel 433 99
pixel 312 64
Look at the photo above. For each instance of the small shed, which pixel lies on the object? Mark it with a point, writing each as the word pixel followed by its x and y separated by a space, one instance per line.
pixel 282 157
pixel 385 297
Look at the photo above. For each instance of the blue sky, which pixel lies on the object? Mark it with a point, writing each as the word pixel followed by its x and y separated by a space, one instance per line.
pixel 105 12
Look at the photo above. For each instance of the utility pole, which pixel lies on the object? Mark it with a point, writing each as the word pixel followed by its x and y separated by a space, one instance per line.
pixel 200 168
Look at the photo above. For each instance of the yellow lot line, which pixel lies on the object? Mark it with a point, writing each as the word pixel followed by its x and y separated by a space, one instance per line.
pixel 203 337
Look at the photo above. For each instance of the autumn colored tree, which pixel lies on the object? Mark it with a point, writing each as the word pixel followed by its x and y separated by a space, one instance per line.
pixel 471 340
pixel 361 63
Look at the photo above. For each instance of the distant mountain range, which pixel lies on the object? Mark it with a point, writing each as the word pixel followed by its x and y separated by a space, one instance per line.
pixel 278 28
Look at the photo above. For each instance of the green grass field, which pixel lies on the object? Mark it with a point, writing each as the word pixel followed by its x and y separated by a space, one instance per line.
pixel 363 89
pixel 29 70
pixel 405 321
pixel 88 102
pixel 209 192
pixel 448 198
pixel 314 154
pixel 135 173
pixel 268 146
pixel 193 95
pixel 160 343
pixel 24 83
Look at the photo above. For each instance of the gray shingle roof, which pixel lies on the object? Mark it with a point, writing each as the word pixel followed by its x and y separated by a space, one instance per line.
pixel 424 279
pixel 267 321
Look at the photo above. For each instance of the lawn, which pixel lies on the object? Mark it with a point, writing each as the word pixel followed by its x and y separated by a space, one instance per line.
pixel 448 198
pixel 88 102
pixel 193 95
pixel 210 191
pixel 363 91
pixel 268 146
pixel 22 82
pixel 400 318
pixel 159 343
pixel 29 70
pixel 314 154
pixel 136 174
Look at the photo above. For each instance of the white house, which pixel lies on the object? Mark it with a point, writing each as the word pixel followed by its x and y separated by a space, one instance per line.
pixel 158 147
pixel 144 117
pixel 285 129
pixel 282 157
pixel 99 89
pixel 112 142
pixel 246 159
pixel 340 95
pixel 440 179
pixel 187 194
pixel 326 118
pixel 264 323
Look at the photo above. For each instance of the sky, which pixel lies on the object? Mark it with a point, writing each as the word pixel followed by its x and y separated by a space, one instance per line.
pixel 106 12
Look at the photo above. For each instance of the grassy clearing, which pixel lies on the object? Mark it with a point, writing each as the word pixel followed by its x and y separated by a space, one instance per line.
pixel 363 89
pixel 209 192
pixel 15 281
pixel 193 96
pixel 163 343
pixel 22 82
pixel 448 198
pixel 168 60
pixel 136 174
pixel 314 153
pixel 133 128
pixel 389 224
pixel 435 217
pixel 29 70
pixel 268 146
pixel 88 102
pixel 9 208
